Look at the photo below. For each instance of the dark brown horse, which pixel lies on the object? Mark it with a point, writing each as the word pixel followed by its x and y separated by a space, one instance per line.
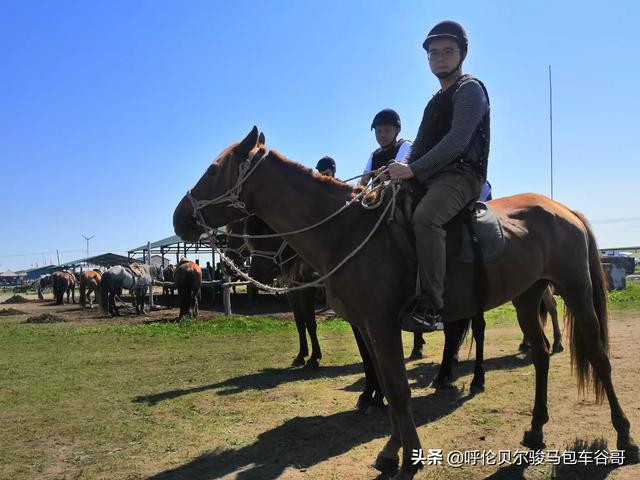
pixel 89 283
pixel 544 241
pixel 168 290
pixel 271 259
pixel 63 282
pixel 187 279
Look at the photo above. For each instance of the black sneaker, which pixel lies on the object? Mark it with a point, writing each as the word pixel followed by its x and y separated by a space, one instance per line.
pixel 418 318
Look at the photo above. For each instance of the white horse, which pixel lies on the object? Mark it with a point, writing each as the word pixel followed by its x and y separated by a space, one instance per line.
pixel 44 281
pixel 118 277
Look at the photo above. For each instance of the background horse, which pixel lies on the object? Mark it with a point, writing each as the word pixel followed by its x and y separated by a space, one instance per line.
pixel 89 283
pixel 118 277
pixel 41 284
pixel 544 241
pixel 168 291
pixel 63 282
pixel 187 279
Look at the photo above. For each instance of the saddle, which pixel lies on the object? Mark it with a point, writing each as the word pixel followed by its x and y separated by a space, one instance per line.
pixel 475 230
pixel 135 269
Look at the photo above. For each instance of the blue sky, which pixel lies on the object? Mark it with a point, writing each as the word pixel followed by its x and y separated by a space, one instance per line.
pixel 111 110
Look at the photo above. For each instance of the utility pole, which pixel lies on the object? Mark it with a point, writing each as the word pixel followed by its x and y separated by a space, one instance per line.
pixel 87 239
pixel 551 128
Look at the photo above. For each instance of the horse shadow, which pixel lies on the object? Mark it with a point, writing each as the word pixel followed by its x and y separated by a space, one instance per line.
pixel 265 379
pixel 421 376
pixel 302 442
pixel 564 471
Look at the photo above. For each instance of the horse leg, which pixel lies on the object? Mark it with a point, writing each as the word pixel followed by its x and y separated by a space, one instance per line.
pixel 298 315
pixel 418 342
pixel 453 335
pixel 586 342
pixel 388 358
pixel 309 314
pixel 552 307
pixel 528 311
pixel 478 325
pixel 371 400
pixel 196 309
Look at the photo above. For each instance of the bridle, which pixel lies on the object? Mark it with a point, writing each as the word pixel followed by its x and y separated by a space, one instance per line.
pixel 231 196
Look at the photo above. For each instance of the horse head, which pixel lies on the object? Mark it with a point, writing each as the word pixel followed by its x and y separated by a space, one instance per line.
pixel 217 198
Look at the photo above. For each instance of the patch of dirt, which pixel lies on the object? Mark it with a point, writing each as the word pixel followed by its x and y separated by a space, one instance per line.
pixel 16 299
pixel 45 318
pixel 5 312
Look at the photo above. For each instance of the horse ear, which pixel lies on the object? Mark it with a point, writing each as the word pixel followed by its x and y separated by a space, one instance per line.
pixel 261 139
pixel 249 142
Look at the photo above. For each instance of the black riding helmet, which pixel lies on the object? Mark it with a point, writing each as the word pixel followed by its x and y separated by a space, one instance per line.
pixel 386 117
pixel 325 163
pixel 452 30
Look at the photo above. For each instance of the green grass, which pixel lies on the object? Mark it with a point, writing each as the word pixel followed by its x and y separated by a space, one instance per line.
pixel 628 298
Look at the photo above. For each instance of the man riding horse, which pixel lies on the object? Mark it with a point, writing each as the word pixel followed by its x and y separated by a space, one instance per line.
pixel 449 159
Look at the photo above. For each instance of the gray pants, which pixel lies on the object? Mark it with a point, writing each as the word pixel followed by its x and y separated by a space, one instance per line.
pixel 447 194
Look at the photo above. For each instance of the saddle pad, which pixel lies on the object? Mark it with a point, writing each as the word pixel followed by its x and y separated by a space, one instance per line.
pixel 488 229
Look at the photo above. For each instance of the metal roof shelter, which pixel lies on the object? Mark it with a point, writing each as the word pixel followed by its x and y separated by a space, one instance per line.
pixel 175 245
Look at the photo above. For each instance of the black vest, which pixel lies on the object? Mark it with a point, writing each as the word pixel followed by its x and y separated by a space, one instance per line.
pixel 439 115
pixel 382 156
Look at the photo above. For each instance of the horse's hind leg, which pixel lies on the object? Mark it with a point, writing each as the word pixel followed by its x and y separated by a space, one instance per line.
pixel 528 311
pixel 552 307
pixel 586 342
pixel 418 342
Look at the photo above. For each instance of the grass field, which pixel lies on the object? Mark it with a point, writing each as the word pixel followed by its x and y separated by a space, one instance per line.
pixel 215 398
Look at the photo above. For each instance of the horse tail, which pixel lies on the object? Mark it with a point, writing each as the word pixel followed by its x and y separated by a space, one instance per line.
pixel 185 294
pixel 579 345
pixel 103 292
pixel 83 289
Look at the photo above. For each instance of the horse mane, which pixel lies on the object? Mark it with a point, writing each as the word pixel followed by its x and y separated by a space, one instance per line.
pixel 300 170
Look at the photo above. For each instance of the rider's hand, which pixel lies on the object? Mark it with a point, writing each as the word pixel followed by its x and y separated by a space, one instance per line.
pixel 399 171
pixel 382 174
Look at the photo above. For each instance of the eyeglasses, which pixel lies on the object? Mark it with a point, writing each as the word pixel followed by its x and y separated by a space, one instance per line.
pixel 444 53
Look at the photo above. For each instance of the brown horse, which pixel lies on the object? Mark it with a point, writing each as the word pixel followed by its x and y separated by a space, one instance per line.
pixel 89 283
pixel 544 241
pixel 187 279
pixel 63 282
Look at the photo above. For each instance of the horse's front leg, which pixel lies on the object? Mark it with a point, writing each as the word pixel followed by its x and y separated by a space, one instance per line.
pixel 418 342
pixel 371 400
pixel 384 341
pixel 453 334
pixel 478 325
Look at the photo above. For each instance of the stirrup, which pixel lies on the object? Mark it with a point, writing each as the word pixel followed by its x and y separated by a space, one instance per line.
pixel 416 317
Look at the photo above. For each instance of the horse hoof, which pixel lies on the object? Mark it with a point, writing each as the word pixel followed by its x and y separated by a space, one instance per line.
pixel 312 364
pixel 442 386
pixel 416 355
pixel 533 440
pixel 557 348
pixel 631 452
pixel 524 348
pixel 386 464
pixel 297 362
pixel 376 411
pixel 475 389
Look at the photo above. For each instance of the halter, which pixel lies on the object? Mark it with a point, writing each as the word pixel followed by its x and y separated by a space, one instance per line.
pixel 231 196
